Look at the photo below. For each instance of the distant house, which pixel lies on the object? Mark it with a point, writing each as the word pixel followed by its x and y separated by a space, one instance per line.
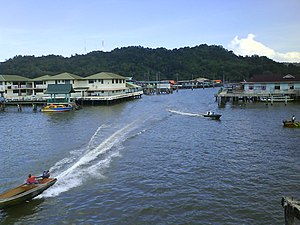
pixel 199 82
pixel 273 84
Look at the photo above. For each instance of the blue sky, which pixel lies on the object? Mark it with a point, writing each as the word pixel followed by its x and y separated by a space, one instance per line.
pixel 69 27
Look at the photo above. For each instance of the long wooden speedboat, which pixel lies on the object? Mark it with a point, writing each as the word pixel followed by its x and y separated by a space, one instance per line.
pixel 24 192
pixel 57 108
pixel 212 116
pixel 289 123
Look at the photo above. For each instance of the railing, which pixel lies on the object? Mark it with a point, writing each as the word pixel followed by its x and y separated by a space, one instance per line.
pixel 58 100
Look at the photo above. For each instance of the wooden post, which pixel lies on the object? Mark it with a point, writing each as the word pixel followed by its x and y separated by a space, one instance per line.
pixel 291 210
pixel 272 100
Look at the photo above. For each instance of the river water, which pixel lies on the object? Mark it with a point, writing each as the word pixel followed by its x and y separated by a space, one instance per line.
pixel 154 160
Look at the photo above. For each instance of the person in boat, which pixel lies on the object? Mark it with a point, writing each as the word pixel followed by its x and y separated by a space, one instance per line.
pixel 31 179
pixel 46 174
pixel 293 118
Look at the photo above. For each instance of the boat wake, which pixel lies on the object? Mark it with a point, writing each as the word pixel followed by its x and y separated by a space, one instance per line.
pixel 91 161
pixel 185 113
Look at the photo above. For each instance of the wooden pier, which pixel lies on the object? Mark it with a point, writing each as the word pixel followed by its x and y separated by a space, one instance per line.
pixel 20 104
pixel 291 210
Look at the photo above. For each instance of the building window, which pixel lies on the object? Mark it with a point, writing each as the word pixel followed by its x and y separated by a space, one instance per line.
pixel 277 87
pixel 263 88
pixel 112 81
pixel 292 87
pixel 67 81
pixel 91 81
pixel 251 87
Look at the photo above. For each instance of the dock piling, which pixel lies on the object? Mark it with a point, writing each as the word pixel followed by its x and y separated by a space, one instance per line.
pixel 291 210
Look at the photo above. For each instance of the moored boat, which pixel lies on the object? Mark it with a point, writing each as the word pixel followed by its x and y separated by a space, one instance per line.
pixel 289 123
pixel 25 192
pixel 57 108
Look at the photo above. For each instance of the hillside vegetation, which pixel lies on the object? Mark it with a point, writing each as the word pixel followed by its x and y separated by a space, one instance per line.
pixel 213 62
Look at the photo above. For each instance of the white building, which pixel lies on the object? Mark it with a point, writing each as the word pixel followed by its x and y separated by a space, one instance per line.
pixel 100 86
pixel 273 84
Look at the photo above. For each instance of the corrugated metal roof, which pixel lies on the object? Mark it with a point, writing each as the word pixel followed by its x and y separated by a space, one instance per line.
pixel 13 78
pixel 132 85
pixel 42 78
pixel 59 89
pixel 65 76
pixel 105 76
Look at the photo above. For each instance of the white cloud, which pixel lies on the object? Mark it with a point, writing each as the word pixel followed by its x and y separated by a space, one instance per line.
pixel 249 46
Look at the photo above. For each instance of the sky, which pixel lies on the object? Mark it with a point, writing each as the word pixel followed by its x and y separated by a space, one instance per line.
pixel 67 27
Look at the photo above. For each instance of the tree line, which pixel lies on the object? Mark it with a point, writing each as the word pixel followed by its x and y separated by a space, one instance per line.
pixel 209 61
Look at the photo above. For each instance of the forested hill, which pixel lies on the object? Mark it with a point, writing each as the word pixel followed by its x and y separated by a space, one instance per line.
pixel 150 64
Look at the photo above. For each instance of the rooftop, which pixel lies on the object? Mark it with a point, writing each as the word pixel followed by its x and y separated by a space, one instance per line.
pixel 268 78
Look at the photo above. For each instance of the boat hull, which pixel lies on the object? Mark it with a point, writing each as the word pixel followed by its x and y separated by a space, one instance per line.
pixel 57 108
pixel 214 116
pixel 24 192
pixel 295 124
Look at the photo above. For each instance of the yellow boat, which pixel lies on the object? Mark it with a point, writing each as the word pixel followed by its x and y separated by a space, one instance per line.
pixel 57 108
pixel 24 192
pixel 287 123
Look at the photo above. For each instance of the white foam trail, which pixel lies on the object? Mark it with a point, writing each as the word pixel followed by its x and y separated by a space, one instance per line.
pixel 91 163
pixel 185 113
pixel 94 137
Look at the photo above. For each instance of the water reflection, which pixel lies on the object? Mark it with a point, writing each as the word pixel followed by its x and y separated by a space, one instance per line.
pixel 16 213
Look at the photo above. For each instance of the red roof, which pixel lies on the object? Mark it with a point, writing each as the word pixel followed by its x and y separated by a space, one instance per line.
pixel 271 78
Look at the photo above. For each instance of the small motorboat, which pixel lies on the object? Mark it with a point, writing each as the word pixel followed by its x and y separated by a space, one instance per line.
pixel 289 123
pixel 25 192
pixel 212 115
pixel 57 108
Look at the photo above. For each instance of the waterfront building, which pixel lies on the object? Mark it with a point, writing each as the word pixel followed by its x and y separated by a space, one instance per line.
pixel 158 87
pixel 97 87
pixel 40 84
pixel 275 84
pixel 105 84
pixel 13 86
pixel 199 82
pixel 265 87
